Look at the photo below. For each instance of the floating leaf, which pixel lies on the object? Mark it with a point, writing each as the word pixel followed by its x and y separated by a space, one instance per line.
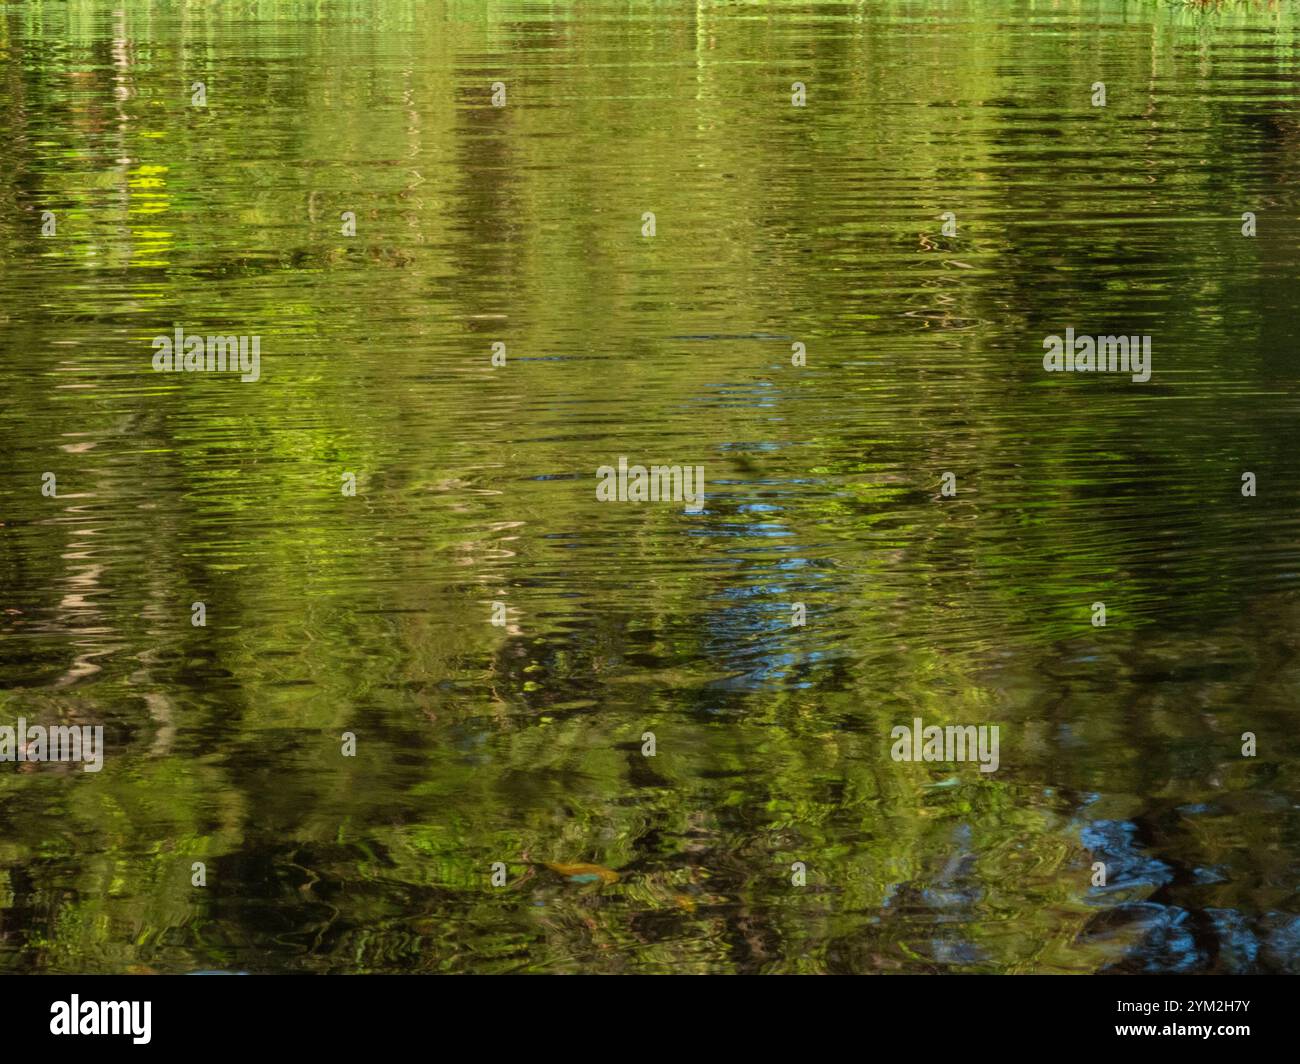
pixel 584 873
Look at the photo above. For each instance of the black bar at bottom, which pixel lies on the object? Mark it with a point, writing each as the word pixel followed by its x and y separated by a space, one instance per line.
pixel 605 1016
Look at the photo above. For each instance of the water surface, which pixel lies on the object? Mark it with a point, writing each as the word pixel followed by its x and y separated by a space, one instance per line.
pixel 522 743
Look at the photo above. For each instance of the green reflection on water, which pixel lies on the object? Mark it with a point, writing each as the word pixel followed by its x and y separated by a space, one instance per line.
pixel 522 744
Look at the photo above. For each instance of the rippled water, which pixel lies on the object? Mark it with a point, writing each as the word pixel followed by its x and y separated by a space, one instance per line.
pixel 522 744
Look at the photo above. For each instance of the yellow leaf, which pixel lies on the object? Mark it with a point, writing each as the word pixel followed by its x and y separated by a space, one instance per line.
pixel 584 872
